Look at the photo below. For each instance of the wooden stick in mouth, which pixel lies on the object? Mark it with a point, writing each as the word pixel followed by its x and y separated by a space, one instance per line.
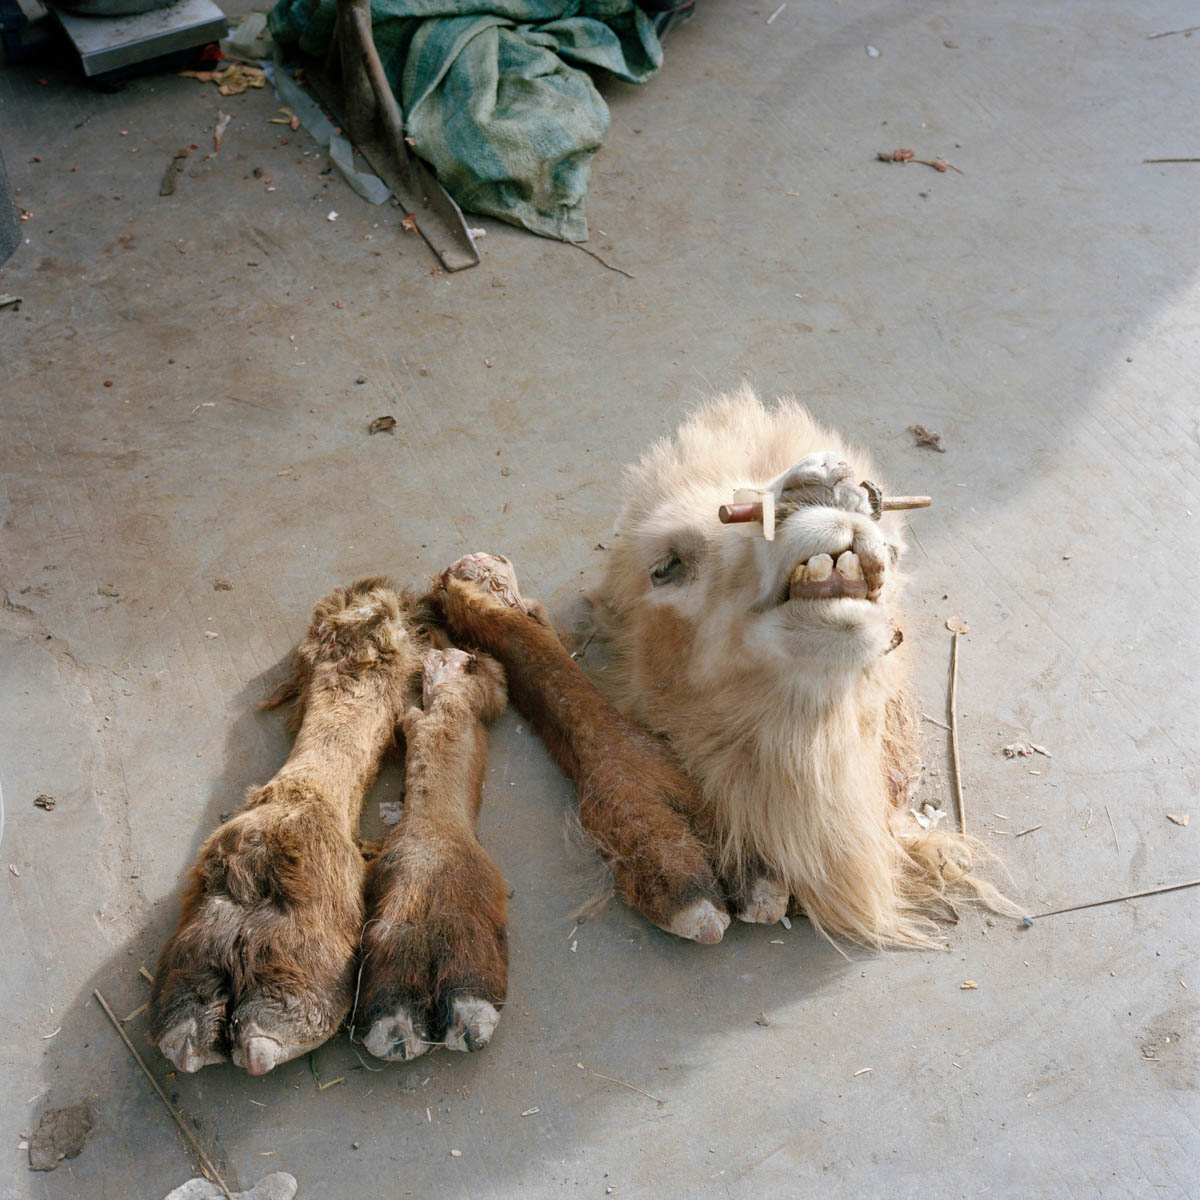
pixel 744 514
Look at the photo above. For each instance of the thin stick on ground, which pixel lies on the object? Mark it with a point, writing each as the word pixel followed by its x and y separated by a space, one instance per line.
pixel 1159 891
pixel 1158 160
pixel 916 536
pixel 1113 828
pixel 952 705
pixel 209 1169
pixel 630 1086
pixel 935 721
pixel 1173 33
pixel 603 262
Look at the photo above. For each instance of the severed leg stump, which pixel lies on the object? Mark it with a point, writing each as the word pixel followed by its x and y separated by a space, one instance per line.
pixel 261 966
pixel 635 802
pixel 435 944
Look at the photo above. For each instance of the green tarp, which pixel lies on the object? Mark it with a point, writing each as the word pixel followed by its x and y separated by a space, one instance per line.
pixel 493 93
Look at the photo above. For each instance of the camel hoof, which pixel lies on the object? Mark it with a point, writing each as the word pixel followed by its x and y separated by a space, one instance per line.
pixel 180 1046
pixel 472 1024
pixel 701 922
pixel 766 903
pixel 397 1038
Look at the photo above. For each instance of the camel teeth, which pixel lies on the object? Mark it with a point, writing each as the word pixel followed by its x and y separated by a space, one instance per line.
pixel 820 567
pixel 848 566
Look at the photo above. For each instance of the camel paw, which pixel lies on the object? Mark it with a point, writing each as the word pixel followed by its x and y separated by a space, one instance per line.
pixel 399 1036
pixel 260 967
pixel 700 922
pixel 765 902
pixel 435 953
pixel 472 1023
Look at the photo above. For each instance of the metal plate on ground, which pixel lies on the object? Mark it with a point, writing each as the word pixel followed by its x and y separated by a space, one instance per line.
pixel 107 43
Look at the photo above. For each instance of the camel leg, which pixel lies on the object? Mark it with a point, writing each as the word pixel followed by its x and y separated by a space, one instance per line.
pixel 435 945
pixel 260 968
pixel 634 800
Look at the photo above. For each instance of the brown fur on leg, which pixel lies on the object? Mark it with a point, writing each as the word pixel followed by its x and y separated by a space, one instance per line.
pixel 634 801
pixel 435 945
pixel 260 967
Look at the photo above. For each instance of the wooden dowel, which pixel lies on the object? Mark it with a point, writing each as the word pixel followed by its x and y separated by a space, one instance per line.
pixel 739 514
pixel 743 514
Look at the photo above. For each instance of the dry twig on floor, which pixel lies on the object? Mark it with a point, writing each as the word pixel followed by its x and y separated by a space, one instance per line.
pixel 1113 828
pixel 1174 32
pixel 601 261
pixel 907 156
pixel 1162 160
pixel 1159 891
pixel 623 1084
pixel 209 1169
pixel 957 626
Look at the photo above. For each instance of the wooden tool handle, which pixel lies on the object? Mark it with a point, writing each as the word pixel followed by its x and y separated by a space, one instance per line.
pixel 892 503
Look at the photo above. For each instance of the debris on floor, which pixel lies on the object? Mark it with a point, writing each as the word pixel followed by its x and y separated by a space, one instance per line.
pixel 1179 819
pixel 232 80
pixel 289 118
pixel 1158 891
pixel 174 170
pixel 928 815
pixel 1025 750
pixel 906 156
pixel 222 124
pixel 45 801
pixel 60 1134
pixel 382 425
pixel 276 1186
pixel 968 985
pixel 927 439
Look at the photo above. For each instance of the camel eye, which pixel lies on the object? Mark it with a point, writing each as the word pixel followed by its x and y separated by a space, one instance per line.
pixel 666 570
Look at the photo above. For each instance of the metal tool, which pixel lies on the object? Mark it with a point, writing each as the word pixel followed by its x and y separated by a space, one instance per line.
pixel 353 85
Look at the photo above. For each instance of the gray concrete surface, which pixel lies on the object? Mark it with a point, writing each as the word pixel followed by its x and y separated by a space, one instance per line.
pixel 1039 310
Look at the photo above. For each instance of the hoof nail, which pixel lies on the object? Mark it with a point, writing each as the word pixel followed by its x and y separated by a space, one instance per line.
pixel 395 1040
pixel 180 1047
pixel 766 903
pixel 701 922
pixel 473 1025
pixel 261 1054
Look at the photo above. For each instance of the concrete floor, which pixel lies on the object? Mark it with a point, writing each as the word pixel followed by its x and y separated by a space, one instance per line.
pixel 1039 310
